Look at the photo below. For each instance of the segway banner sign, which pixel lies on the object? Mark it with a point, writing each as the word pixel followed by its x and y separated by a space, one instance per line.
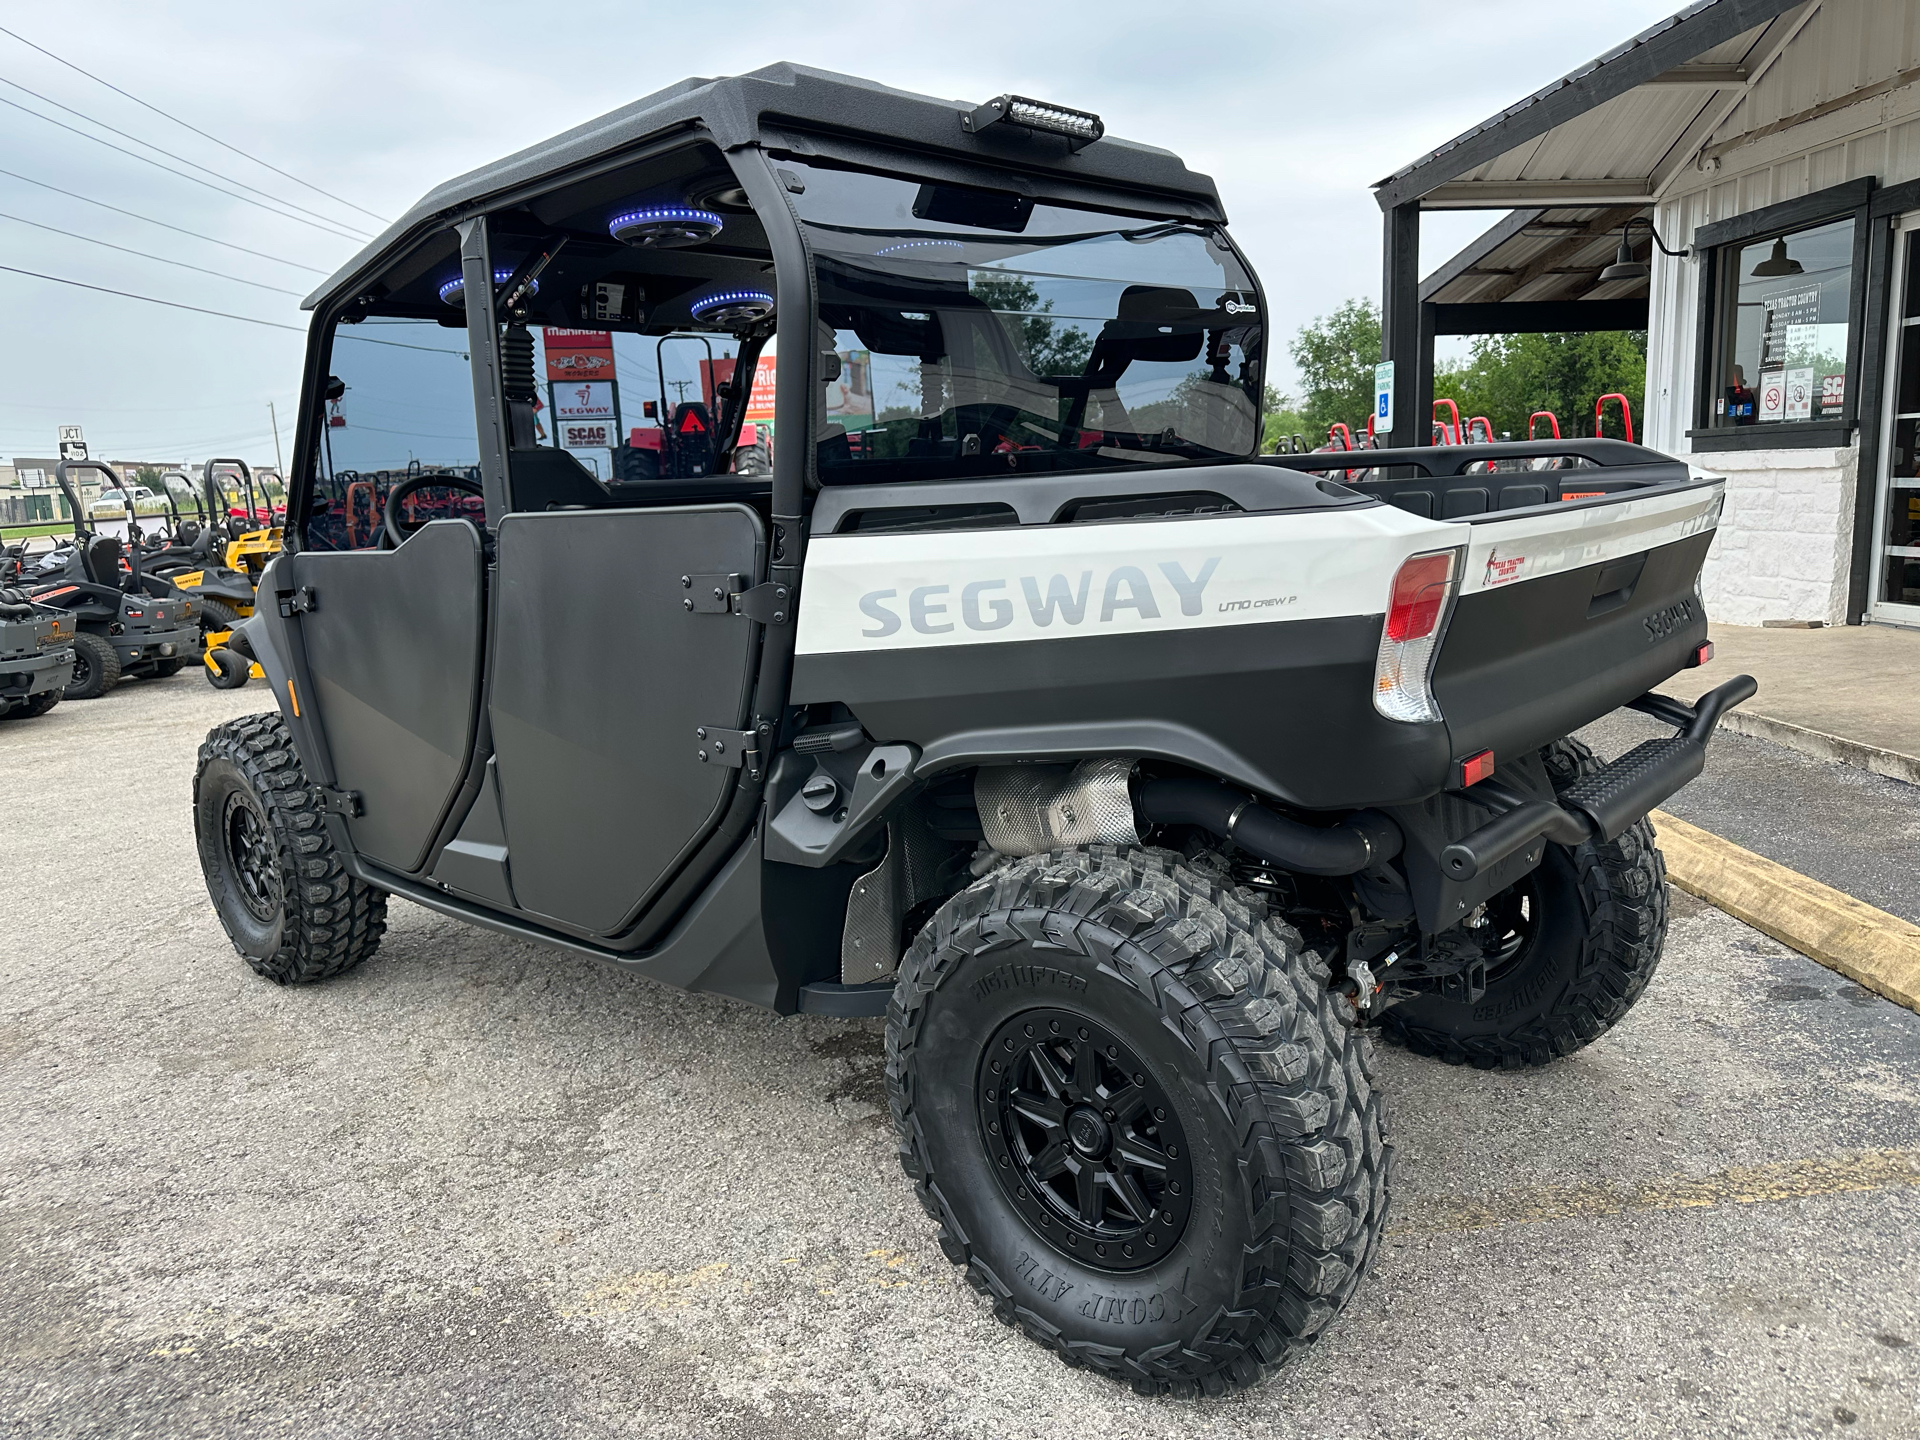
pixel 584 400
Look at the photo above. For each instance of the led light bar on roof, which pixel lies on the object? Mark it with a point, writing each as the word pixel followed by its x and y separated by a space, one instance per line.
pixel 454 292
pixel 1080 127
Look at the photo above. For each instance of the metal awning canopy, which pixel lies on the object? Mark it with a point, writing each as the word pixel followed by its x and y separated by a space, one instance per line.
pixel 1614 131
pixel 1575 162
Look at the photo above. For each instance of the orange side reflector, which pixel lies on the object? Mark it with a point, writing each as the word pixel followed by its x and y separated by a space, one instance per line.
pixel 294 696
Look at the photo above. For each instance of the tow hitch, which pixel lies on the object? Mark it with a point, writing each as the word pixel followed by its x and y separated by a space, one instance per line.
pixel 1604 804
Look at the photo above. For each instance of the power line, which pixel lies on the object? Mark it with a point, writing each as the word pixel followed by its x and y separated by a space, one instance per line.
pixel 149 160
pixel 225 315
pixel 218 175
pixel 218 275
pixel 195 128
pixel 135 214
pixel 173 304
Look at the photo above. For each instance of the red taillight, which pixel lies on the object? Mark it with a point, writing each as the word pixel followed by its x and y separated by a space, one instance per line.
pixel 1419 592
pixel 1476 768
pixel 1703 652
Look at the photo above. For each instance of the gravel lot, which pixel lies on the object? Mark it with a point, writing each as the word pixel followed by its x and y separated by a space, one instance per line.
pixel 479 1187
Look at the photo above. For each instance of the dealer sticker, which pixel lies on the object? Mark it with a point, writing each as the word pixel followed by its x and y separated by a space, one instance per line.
pixel 1503 569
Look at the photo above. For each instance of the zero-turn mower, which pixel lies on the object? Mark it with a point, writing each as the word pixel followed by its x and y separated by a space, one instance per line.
pixel 127 621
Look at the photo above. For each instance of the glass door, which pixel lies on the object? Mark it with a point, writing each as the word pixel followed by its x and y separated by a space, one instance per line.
pixel 1896 563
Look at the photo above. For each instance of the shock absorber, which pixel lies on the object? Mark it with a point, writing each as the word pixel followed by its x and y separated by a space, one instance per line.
pixel 517 384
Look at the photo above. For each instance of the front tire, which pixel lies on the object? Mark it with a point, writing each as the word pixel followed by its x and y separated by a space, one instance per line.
pixel 96 667
pixel 1591 922
pixel 280 888
pixel 1085 1036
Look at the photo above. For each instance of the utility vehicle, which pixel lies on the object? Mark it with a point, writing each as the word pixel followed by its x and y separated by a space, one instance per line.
pixel 1135 777
pixel 126 622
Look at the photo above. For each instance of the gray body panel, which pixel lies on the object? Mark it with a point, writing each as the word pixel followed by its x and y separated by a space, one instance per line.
pixel 393 646
pixel 600 676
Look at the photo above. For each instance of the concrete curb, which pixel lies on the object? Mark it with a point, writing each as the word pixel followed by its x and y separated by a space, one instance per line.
pixel 1880 951
pixel 1822 746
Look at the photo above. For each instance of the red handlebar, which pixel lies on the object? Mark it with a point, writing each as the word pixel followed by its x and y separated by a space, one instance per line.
pixel 1551 418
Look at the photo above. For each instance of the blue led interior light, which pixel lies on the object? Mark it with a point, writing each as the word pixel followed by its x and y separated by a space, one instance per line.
pixel 454 291
pixel 665 226
pixel 908 245
pixel 733 307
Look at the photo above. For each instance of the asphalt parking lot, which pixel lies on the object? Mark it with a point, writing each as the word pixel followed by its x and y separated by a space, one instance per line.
pixel 479 1187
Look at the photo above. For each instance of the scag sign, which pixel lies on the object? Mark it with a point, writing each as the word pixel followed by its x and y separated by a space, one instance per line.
pixel 595 435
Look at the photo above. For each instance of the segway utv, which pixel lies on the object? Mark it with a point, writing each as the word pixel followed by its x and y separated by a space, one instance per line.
pixel 1135 778
pixel 126 621
pixel 36 656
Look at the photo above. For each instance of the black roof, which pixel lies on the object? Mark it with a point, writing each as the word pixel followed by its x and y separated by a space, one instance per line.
pixel 779 105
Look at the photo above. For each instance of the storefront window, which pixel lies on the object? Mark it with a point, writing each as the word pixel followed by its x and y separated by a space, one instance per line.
pixel 1784 306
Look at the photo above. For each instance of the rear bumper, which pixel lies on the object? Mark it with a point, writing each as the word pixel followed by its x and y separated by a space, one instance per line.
pixel 180 642
pixel 1604 804
pixel 30 675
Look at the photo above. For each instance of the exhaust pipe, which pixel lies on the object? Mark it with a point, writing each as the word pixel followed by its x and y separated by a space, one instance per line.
pixel 1357 843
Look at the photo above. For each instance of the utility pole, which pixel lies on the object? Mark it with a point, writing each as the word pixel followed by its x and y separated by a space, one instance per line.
pixel 277 463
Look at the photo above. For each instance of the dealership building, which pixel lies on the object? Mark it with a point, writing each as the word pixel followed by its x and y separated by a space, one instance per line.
pixel 1759 161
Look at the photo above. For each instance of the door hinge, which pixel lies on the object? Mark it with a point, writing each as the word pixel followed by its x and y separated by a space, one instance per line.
pixel 341 802
pixel 298 602
pixel 735 748
pixel 766 603
pixel 728 594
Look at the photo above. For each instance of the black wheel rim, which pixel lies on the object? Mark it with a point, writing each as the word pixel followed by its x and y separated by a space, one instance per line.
pixel 250 855
pixel 1084 1140
pixel 1508 927
pixel 82 670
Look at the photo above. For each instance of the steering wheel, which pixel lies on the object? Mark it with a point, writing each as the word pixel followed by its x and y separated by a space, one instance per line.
pixel 397 532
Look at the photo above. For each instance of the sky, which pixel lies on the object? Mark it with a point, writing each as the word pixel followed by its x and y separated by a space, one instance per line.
pixel 1295 110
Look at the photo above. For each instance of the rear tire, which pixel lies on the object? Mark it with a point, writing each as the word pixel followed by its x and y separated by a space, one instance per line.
pixel 1598 925
pixel 217 615
pixel 38 705
pixel 96 667
pixel 280 888
pixel 1193 1028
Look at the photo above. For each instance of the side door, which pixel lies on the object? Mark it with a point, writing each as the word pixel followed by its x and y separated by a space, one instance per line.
pixel 603 667
pixel 393 636
pixel 393 652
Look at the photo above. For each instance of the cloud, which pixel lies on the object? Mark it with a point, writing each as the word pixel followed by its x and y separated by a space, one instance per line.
pixel 1295 109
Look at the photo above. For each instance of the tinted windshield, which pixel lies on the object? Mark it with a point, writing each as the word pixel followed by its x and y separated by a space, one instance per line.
pixel 974 332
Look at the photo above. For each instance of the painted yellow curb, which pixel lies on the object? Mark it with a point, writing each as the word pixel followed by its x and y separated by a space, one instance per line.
pixel 1879 950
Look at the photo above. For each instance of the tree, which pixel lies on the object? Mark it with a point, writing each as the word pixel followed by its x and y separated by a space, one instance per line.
pixel 1335 355
pixel 1047 349
pixel 1508 377
pixel 1281 420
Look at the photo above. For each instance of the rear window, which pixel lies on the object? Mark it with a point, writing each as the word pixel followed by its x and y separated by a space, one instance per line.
pixel 969 332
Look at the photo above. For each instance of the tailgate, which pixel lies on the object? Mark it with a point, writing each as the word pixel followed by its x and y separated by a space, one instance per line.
pixel 1569 611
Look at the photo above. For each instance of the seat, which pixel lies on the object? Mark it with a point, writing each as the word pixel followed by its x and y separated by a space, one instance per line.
pixel 101 560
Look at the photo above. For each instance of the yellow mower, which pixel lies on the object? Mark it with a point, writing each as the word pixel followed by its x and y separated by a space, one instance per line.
pixel 240 533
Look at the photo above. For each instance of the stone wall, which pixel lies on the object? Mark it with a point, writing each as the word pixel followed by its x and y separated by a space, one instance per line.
pixel 1785 544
